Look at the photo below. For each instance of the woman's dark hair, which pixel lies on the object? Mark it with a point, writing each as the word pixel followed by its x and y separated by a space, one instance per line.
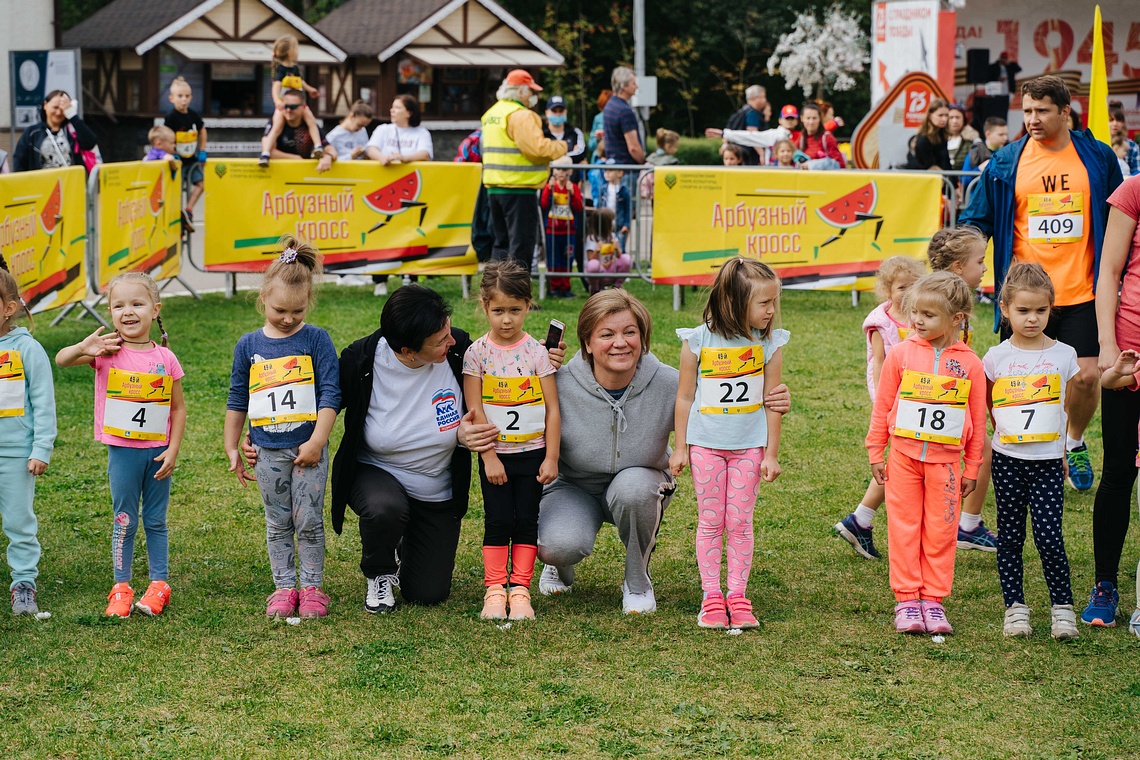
pixel 812 107
pixel 413 107
pixel 411 315
pixel 928 130
pixel 49 98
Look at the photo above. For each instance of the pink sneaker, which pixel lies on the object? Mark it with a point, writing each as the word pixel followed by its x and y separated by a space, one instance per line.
pixel 314 603
pixel 713 612
pixel 934 617
pixel 282 603
pixel 908 617
pixel 740 611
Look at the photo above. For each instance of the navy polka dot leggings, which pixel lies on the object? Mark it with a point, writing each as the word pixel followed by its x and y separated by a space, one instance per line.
pixel 1039 485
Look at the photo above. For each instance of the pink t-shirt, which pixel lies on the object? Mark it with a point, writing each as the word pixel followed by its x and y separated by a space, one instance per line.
pixel 527 358
pixel 156 361
pixel 882 322
pixel 1127 199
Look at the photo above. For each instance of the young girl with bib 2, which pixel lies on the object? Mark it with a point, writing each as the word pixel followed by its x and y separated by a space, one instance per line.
pixel 286 379
pixel 724 432
pixel 509 382
pixel 140 415
pixel 1027 376
pixel 930 408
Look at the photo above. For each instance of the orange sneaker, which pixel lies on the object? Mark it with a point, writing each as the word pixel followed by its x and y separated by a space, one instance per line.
pixel 494 603
pixel 519 598
pixel 155 599
pixel 121 598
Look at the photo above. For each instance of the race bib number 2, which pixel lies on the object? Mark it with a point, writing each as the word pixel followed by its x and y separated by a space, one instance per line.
pixel 1027 408
pixel 732 380
pixel 932 407
pixel 516 406
pixel 1056 217
pixel 11 384
pixel 282 390
pixel 138 405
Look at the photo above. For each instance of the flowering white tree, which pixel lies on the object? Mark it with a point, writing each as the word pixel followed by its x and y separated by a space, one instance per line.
pixel 823 56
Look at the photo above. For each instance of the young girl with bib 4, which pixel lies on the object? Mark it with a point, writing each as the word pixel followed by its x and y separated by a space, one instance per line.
pixel 1026 376
pixel 140 415
pixel 509 382
pixel 27 435
pixel 286 379
pixel 930 409
pixel 724 432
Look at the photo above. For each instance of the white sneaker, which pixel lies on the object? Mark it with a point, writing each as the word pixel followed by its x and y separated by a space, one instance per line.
pixel 380 597
pixel 1134 624
pixel 637 604
pixel 1017 621
pixel 381 289
pixel 1064 622
pixel 550 582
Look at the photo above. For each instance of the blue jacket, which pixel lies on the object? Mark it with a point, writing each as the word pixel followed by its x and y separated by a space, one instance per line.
pixel 598 192
pixel 993 205
pixel 32 434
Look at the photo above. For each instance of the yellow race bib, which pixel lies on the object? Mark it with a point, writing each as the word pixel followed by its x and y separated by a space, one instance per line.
pixel 138 405
pixel 186 143
pixel 732 380
pixel 282 390
pixel 932 407
pixel 1027 408
pixel 1055 217
pixel 516 406
pixel 12 384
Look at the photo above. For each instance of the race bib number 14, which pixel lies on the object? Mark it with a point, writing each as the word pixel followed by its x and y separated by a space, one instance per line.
pixel 932 407
pixel 732 380
pixel 282 390
pixel 138 405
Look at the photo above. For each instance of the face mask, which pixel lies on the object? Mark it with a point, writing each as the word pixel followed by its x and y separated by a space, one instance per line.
pixel 533 101
pixel 556 121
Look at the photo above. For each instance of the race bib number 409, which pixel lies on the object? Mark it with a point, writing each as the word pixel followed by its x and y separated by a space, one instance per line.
pixel 1027 408
pixel 282 390
pixel 1056 217
pixel 932 407
pixel 138 405
pixel 732 380
pixel 516 406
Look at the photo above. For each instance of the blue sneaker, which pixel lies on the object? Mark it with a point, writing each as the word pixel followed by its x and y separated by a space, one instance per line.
pixel 1102 606
pixel 1080 468
pixel 857 536
pixel 980 538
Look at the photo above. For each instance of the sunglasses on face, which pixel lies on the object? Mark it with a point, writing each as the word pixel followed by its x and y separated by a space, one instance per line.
pixel 291 106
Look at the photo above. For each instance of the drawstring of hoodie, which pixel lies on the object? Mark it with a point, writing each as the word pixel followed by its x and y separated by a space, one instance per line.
pixel 618 411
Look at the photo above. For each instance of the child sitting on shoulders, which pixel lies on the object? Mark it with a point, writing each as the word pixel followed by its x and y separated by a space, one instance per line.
pixel 161 141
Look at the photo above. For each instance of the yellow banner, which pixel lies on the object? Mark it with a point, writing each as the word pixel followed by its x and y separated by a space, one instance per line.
pixel 818 230
pixel 139 219
pixel 365 218
pixel 43 234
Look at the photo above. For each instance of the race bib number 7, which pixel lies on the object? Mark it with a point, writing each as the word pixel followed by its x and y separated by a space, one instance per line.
pixel 732 380
pixel 1027 408
pixel 11 384
pixel 516 406
pixel 932 407
pixel 138 405
pixel 282 390
pixel 1056 217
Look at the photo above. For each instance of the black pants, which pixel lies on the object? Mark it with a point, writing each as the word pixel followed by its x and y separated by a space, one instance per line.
pixel 1038 484
pixel 426 533
pixel 482 234
pixel 511 510
pixel 1119 414
pixel 514 219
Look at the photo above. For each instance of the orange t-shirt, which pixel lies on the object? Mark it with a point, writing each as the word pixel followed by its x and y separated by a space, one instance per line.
pixel 1053 220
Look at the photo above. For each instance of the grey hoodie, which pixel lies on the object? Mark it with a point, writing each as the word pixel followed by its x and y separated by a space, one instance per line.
pixel 601 436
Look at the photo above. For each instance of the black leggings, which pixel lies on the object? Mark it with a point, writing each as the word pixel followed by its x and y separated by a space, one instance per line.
pixel 1119 415
pixel 511 510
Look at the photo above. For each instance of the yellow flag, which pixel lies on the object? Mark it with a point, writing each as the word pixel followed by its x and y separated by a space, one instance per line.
pixel 1098 85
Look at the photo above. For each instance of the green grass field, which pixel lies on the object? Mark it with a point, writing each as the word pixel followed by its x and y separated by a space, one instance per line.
pixel 825 676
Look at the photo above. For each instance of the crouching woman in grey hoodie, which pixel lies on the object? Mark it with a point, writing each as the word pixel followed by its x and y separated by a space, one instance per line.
pixel 617 412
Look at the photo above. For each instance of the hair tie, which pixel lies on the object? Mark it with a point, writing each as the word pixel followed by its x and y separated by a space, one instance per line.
pixel 289 255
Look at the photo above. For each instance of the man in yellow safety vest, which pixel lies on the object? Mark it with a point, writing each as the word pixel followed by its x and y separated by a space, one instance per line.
pixel 516 156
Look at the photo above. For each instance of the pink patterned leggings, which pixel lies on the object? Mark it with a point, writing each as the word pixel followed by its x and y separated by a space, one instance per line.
pixel 726 483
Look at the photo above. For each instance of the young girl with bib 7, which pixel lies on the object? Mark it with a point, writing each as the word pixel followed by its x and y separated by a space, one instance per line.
pixel 140 415
pixel 27 436
pixel 286 380
pixel 1026 377
pixel 508 380
pixel 724 432
pixel 930 409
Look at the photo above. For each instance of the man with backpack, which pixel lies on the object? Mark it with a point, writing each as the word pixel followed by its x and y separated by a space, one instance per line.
pixel 753 116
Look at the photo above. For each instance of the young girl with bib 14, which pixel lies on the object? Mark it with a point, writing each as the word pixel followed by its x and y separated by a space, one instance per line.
pixel 1027 376
pixel 140 415
pixel 286 379
pixel 930 409
pixel 724 432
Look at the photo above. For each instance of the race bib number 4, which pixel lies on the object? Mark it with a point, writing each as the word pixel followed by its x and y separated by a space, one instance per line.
pixel 932 407
pixel 516 406
pixel 138 405
pixel 11 384
pixel 1056 217
pixel 1027 409
pixel 282 390
pixel 732 380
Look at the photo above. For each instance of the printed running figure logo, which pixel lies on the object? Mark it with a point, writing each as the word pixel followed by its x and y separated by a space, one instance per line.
pixel 850 210
pixel 446 409
pixel 397 197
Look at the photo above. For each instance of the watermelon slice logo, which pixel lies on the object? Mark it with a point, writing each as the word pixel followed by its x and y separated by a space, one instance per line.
pixel 525 387
pixel 747 358
pixel 948 387
pixel 1041 384
pixel 155 385
pixel 51 217
pixel 5 360
pixel 851 210
pixel 292 364
pixel 397 197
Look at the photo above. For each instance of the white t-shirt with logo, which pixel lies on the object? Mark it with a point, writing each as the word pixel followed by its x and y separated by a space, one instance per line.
pixel 401 140
pixel 412 424
pixel 1006 360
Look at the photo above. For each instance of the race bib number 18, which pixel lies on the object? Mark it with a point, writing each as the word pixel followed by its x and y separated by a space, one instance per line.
pixel 1027 408
pixel 732 380
pixel 282 390
pixel 932 407
pixel 516 406
pixel 11 384
pixel 1056 217
pixel 138 405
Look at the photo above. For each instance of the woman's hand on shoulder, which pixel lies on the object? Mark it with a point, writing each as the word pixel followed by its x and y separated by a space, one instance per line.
pixel 779 399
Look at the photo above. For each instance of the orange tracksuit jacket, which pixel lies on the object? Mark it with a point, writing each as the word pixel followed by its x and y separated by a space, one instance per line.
pixel 923 487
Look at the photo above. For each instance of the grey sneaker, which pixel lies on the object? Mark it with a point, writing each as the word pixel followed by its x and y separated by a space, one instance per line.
pixel 550 583
pixel 1017 621
pixel 380 597
pixel 1064 622
pixel 24 599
